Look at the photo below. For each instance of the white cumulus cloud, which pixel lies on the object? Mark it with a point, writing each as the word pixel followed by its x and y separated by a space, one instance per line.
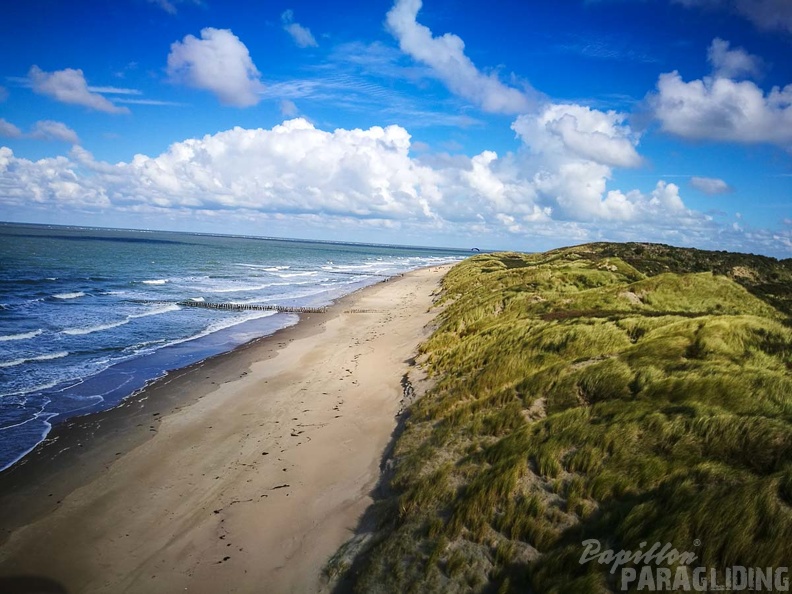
pixel 587 133
pixel 9 130
pixel 41 130
pixel 723 109
pixel 710 185
pixel 733 63
pixel 50 130
pixel 445 55
pixel 69 86
pixel 296 168
pixel 721 106
pixel 302 36
pixel 52 182
pixel 295 175
pixel 292 168
pixel 288 108
pixel 218 62
pixel 574 150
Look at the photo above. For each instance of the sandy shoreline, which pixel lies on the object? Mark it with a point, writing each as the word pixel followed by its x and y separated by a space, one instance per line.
pixel 240 474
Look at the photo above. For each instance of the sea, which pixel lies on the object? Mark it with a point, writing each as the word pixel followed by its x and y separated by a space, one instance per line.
pixel 90 316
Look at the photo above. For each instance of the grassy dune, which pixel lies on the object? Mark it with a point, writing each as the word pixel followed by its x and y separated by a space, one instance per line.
pixel 624 392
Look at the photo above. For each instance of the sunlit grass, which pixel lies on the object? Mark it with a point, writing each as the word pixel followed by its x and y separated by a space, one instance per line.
pixel 621 392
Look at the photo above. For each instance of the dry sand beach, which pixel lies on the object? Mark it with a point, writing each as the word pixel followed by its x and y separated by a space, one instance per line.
pixel 240 474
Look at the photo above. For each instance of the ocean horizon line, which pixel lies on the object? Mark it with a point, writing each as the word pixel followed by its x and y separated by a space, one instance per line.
pixel 473 249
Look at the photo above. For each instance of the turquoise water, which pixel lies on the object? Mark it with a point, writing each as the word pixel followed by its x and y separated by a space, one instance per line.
pixel 79 331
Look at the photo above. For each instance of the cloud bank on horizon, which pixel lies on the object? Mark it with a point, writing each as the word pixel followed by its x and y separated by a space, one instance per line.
pixel 534 167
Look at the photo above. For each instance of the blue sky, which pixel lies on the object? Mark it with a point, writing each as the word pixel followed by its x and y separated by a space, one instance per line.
pixel 517 125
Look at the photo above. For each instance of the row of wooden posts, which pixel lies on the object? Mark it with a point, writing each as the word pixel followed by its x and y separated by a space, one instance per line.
pixel 252 307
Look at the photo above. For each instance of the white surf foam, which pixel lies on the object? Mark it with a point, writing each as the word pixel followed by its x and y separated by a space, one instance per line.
pixel 40 416
pixel 92 329
pixel 264 268
pixel 224 324
pixel 22 336
pixel 38 388
pixel 296 274
pixel 74 295
pixel 155 312
pixel 242 289
pixel 46 357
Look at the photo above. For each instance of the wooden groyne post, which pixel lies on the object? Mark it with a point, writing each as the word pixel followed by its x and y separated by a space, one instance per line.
pixel 251 307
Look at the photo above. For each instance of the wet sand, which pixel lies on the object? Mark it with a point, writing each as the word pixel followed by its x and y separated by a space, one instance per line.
pixel 243 473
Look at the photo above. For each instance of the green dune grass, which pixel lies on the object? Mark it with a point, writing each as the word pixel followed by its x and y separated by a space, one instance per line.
pixel 623 392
